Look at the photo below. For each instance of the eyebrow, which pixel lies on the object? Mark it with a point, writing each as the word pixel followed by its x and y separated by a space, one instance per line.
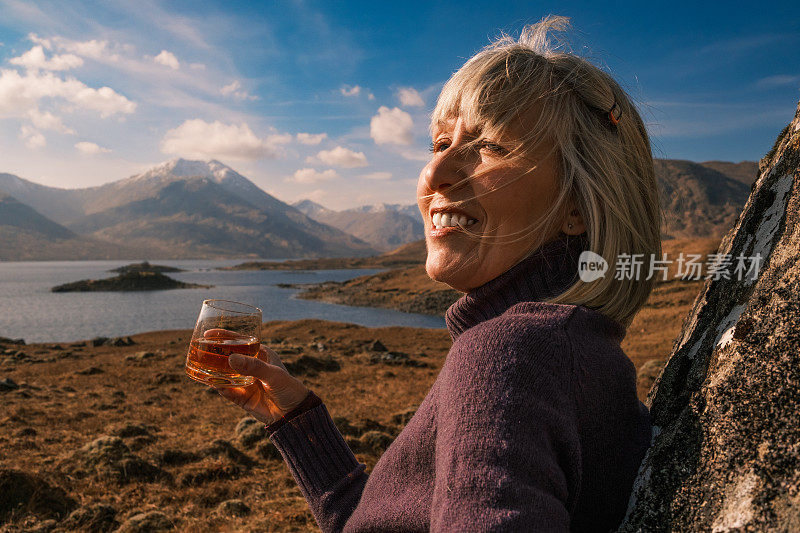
pixel 441 125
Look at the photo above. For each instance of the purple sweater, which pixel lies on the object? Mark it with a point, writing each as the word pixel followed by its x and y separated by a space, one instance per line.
pixel 532 424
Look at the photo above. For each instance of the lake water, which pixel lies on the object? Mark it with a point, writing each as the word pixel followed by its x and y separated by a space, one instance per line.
pixel 30 311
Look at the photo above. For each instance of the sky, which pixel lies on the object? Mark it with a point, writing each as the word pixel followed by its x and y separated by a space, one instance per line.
pixel 330 100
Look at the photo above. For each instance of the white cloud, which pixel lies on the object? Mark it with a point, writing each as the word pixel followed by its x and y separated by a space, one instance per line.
pixel 309 175
pixel 339 157
pixel 391 126
pixel 347 90
pixel 777 81
pixel 167 59
pixel 197 66
pixel 89 148
pixel 280 138
pixel 311 139
pixel 48 121
pixel 234 89
pixel 20 95
pixel 409 97
pixel 93 49
pixel 381 176
pixel 415 155
pixel 34 59
pixel 33 139
pixel 355 90
pixel 317 195
pixel 214 140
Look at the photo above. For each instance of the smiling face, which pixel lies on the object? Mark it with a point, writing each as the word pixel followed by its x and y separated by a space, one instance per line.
pixel 479 204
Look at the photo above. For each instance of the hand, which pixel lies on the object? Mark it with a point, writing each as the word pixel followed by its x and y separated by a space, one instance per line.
pixel 273 393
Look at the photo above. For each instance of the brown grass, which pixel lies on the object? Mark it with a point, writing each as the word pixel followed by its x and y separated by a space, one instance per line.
pixel 57 410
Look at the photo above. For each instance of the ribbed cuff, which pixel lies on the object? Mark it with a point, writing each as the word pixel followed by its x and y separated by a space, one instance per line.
pixel 315 451
pixel 309 402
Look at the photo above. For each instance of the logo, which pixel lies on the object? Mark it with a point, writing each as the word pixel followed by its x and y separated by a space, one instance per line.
pixel 591 266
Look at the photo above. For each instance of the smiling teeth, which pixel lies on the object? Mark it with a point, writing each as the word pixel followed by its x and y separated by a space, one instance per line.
pixel 449 220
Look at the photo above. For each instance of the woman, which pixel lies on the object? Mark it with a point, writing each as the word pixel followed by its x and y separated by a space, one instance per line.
pixel 533 423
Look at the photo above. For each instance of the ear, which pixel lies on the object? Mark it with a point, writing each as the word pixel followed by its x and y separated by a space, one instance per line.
pixel 573 223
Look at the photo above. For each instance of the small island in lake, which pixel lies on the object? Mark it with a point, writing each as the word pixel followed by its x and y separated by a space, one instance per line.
pixel 129 281
pixel 145 266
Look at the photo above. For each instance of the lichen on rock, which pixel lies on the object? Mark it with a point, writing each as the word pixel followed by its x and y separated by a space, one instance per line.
pixel 726 407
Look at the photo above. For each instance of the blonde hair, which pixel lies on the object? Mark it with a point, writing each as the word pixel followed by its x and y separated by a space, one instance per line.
pixel 607 169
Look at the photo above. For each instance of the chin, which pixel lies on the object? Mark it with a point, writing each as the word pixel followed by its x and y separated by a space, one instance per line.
pixel 448 276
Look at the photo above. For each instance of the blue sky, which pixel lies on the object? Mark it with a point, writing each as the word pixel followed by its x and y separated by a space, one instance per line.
pixel 329 100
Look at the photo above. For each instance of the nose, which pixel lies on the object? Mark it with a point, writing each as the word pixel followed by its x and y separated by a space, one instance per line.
pixel 446 169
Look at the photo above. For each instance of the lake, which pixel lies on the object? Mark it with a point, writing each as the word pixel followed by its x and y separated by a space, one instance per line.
pixel 30 311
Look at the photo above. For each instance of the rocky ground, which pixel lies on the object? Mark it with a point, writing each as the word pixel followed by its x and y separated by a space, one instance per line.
pixel 110 435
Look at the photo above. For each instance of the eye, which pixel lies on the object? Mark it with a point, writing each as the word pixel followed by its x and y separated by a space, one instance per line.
pixel 492 147
pixel 439 145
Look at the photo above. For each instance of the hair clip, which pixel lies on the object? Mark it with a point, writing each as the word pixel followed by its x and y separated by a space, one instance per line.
pixel 614 119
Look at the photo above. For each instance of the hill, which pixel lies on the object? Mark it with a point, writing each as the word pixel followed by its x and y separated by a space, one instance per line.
pixel 384 226
pixel 698 200
pixel 27 235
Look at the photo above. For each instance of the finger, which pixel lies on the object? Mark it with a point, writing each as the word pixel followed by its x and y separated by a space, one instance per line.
pixel 250 366
pixel 269 355
pixel 219 333
pixel 245 397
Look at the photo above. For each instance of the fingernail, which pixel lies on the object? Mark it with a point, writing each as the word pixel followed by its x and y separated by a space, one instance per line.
pixel 236 361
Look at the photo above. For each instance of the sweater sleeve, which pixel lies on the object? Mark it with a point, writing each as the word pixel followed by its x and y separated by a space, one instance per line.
pixel 328 474
pixel 507 452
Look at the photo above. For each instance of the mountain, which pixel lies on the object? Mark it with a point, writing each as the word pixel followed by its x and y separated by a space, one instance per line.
pixel 745 171
pixel 26 234
pixel 59 204
pixel 185 209
pixel 383 226
pixel 312 209
pixel 698 200
pixel 190 209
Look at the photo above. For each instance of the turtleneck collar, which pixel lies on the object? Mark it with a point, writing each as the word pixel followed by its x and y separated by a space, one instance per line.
pixel 545 273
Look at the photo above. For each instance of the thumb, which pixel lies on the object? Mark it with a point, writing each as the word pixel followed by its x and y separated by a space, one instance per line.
pixel 250 366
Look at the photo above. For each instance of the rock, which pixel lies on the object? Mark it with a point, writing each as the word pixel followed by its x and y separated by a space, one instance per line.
pixel 91 371
pixel 377 346
pixel 121 341
pixel 98 341
pixel 233 508
pixel 141 356
pixel 25 432
pixel 148 522
pixel 396 358
pixel 401 418
pixel 250 431
pixel 45 526
pixel 8 384
pixel 726 407
pixel 6 340
pixel 97 518
pixel 309 365
pixel 27 494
